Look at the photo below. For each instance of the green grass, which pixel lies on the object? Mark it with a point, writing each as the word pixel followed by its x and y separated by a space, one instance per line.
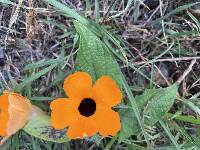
pixel 137 38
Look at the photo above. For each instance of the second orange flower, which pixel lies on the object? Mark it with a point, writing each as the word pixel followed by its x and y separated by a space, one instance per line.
pixel 88 109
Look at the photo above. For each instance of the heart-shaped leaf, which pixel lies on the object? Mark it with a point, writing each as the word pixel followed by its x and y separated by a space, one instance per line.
pixel 94 57
pixel 159 103
pixel 152 104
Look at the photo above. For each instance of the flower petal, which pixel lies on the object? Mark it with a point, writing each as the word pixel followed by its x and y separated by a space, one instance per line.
pixel 78 85
pixel 4 116
pixel 17 120
pixel 84 127
pixel 19 112
pixel 108 121
pixel 106 90
pixel 19 103
pixel 15 112
pixel 64 112
pixel 4 102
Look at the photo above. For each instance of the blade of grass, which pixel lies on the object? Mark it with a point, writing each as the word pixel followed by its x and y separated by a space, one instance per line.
pixel 109 145
pixel 172 138
pixel 43 63
pixel 41 98
pixel 15 15
pixel 55 23
pixel 195 20
pixel 160 55
pixel 184 133
pixel 128 63
pixel 135 109
pixel 7 2
pixel 71 12
pixel 192 106
pixel 189 119
pixel 88 6
pixel 36 76
pixel 185 33
pixel 177 10
pixel 129 3
pixel 94 27
pixel 111 8
pixel 97 14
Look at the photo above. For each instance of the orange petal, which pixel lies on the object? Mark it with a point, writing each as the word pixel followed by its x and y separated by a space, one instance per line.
pixel 78 85
pixel 64 112
pixel 108 121
pixel 19 112
pixel 15 111
pixel 84 127
pixel 4 102
pixel 17 120
pixel 19 103
pixel 4 116
pixel 106 91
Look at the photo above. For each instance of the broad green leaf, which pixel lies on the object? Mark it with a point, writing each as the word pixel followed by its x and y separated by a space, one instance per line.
pixel 129 124
pixel 94 57
pixel 129 121
pixel 152 104
pixel 40 127
pixel 159 103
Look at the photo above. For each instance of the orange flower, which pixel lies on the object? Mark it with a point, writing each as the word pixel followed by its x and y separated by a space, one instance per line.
pixel 88 108
pixel 15 111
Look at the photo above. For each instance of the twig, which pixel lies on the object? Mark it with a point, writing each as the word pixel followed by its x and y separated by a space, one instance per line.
pixel 186 72
pixel 169 59
pixel 163 76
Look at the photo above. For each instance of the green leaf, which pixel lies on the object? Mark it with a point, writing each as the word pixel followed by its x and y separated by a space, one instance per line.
pixel 152 104
pixel 41 128
pixel 94 56
pixel 129 123
pixel 159 103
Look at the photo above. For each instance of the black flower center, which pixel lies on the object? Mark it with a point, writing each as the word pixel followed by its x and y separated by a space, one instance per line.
pixel 87 107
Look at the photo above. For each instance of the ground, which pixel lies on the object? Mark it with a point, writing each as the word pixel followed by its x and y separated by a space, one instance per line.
pixel 160 41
